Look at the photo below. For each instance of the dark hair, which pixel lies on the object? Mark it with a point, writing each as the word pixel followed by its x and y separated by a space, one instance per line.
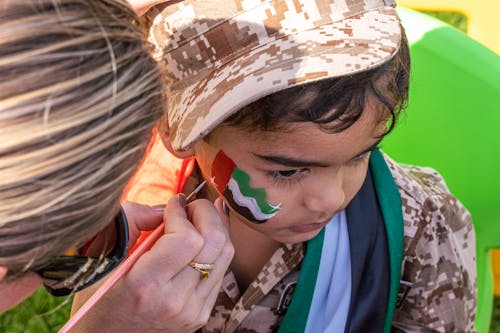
pixel 334 104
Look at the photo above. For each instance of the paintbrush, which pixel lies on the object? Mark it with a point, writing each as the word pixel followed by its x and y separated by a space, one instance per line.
pixel 122 269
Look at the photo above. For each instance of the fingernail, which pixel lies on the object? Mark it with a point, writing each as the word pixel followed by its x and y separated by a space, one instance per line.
pixel 158 208
pixel 182 199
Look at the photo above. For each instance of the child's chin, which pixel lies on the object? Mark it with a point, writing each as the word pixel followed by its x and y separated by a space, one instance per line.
pixel 296 238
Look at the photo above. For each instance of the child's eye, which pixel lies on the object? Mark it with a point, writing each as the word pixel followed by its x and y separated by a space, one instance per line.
pixel 286 173
pixel 358 159
pixel 287 176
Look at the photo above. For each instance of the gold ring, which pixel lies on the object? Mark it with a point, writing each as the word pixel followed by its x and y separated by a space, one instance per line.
pixel 204 269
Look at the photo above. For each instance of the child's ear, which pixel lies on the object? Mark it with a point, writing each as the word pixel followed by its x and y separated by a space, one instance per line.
pixel 3 272
pixel 164 133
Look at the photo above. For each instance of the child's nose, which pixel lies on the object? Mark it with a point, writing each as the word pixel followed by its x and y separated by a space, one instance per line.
pixel 326 195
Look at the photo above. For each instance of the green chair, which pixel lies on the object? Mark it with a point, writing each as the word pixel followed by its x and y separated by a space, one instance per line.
pixel 452 123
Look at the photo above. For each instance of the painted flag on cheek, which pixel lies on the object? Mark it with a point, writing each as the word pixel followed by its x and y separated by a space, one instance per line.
pixel 234 184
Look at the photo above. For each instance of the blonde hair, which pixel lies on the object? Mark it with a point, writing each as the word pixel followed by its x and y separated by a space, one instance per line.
pixel 79 95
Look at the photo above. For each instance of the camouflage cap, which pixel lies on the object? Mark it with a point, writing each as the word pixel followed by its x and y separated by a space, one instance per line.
pixel 222 55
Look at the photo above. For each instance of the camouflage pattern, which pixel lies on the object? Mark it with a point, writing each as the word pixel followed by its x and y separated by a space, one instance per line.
pixel 439 254
pixel 221 55
pixel 439 259
pixel 256 310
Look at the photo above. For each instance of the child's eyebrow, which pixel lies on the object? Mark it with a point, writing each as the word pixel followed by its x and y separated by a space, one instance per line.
pixel 300 163
pixel 291 161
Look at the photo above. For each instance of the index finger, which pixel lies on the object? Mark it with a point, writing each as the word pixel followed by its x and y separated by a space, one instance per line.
pixel 205 217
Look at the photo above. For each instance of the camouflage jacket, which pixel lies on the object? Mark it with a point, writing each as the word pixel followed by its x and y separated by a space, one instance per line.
pixel 438 259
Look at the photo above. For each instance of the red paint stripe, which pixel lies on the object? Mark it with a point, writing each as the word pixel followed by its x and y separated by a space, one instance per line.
pixel 222 168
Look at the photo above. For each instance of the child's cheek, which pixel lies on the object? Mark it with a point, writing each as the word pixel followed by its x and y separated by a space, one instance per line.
pixel 234 184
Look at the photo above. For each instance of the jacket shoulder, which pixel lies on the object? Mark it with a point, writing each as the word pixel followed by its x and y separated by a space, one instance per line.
pixel 438 254
pixel 424 191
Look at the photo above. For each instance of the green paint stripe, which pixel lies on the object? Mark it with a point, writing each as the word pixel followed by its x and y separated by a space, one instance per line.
pixel 295 320
pixel 390 204
pixel 259 194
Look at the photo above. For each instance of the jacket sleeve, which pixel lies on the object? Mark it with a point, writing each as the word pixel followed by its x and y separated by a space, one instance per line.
pixel 439 257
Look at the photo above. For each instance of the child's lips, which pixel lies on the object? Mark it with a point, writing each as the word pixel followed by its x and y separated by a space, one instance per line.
pixel 303 228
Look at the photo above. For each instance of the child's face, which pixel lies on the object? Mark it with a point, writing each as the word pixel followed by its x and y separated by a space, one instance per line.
pixel 309 174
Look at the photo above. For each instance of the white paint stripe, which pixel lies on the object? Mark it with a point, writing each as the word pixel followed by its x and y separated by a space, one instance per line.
pixel 248 202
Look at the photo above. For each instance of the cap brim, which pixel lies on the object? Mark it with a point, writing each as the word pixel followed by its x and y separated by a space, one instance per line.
pixel 352 45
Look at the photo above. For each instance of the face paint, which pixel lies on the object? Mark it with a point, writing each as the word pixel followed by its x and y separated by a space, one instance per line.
pixel 234 184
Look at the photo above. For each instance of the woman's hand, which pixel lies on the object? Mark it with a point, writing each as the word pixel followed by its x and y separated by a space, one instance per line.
pixel 162 293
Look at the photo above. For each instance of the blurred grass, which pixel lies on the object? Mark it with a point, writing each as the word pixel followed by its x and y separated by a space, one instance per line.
pixel 40 312
pixel 495 319
pixel 457 20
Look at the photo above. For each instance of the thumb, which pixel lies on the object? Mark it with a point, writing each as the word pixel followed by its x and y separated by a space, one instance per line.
pixel 141 218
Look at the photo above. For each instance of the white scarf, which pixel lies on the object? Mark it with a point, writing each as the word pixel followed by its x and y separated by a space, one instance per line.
pixel 332 294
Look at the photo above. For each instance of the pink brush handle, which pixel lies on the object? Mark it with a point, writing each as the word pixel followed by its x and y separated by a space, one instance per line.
pixel 114 278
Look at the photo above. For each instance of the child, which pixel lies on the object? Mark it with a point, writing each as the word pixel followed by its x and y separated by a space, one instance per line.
pixel 283 105
pixel 294 96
